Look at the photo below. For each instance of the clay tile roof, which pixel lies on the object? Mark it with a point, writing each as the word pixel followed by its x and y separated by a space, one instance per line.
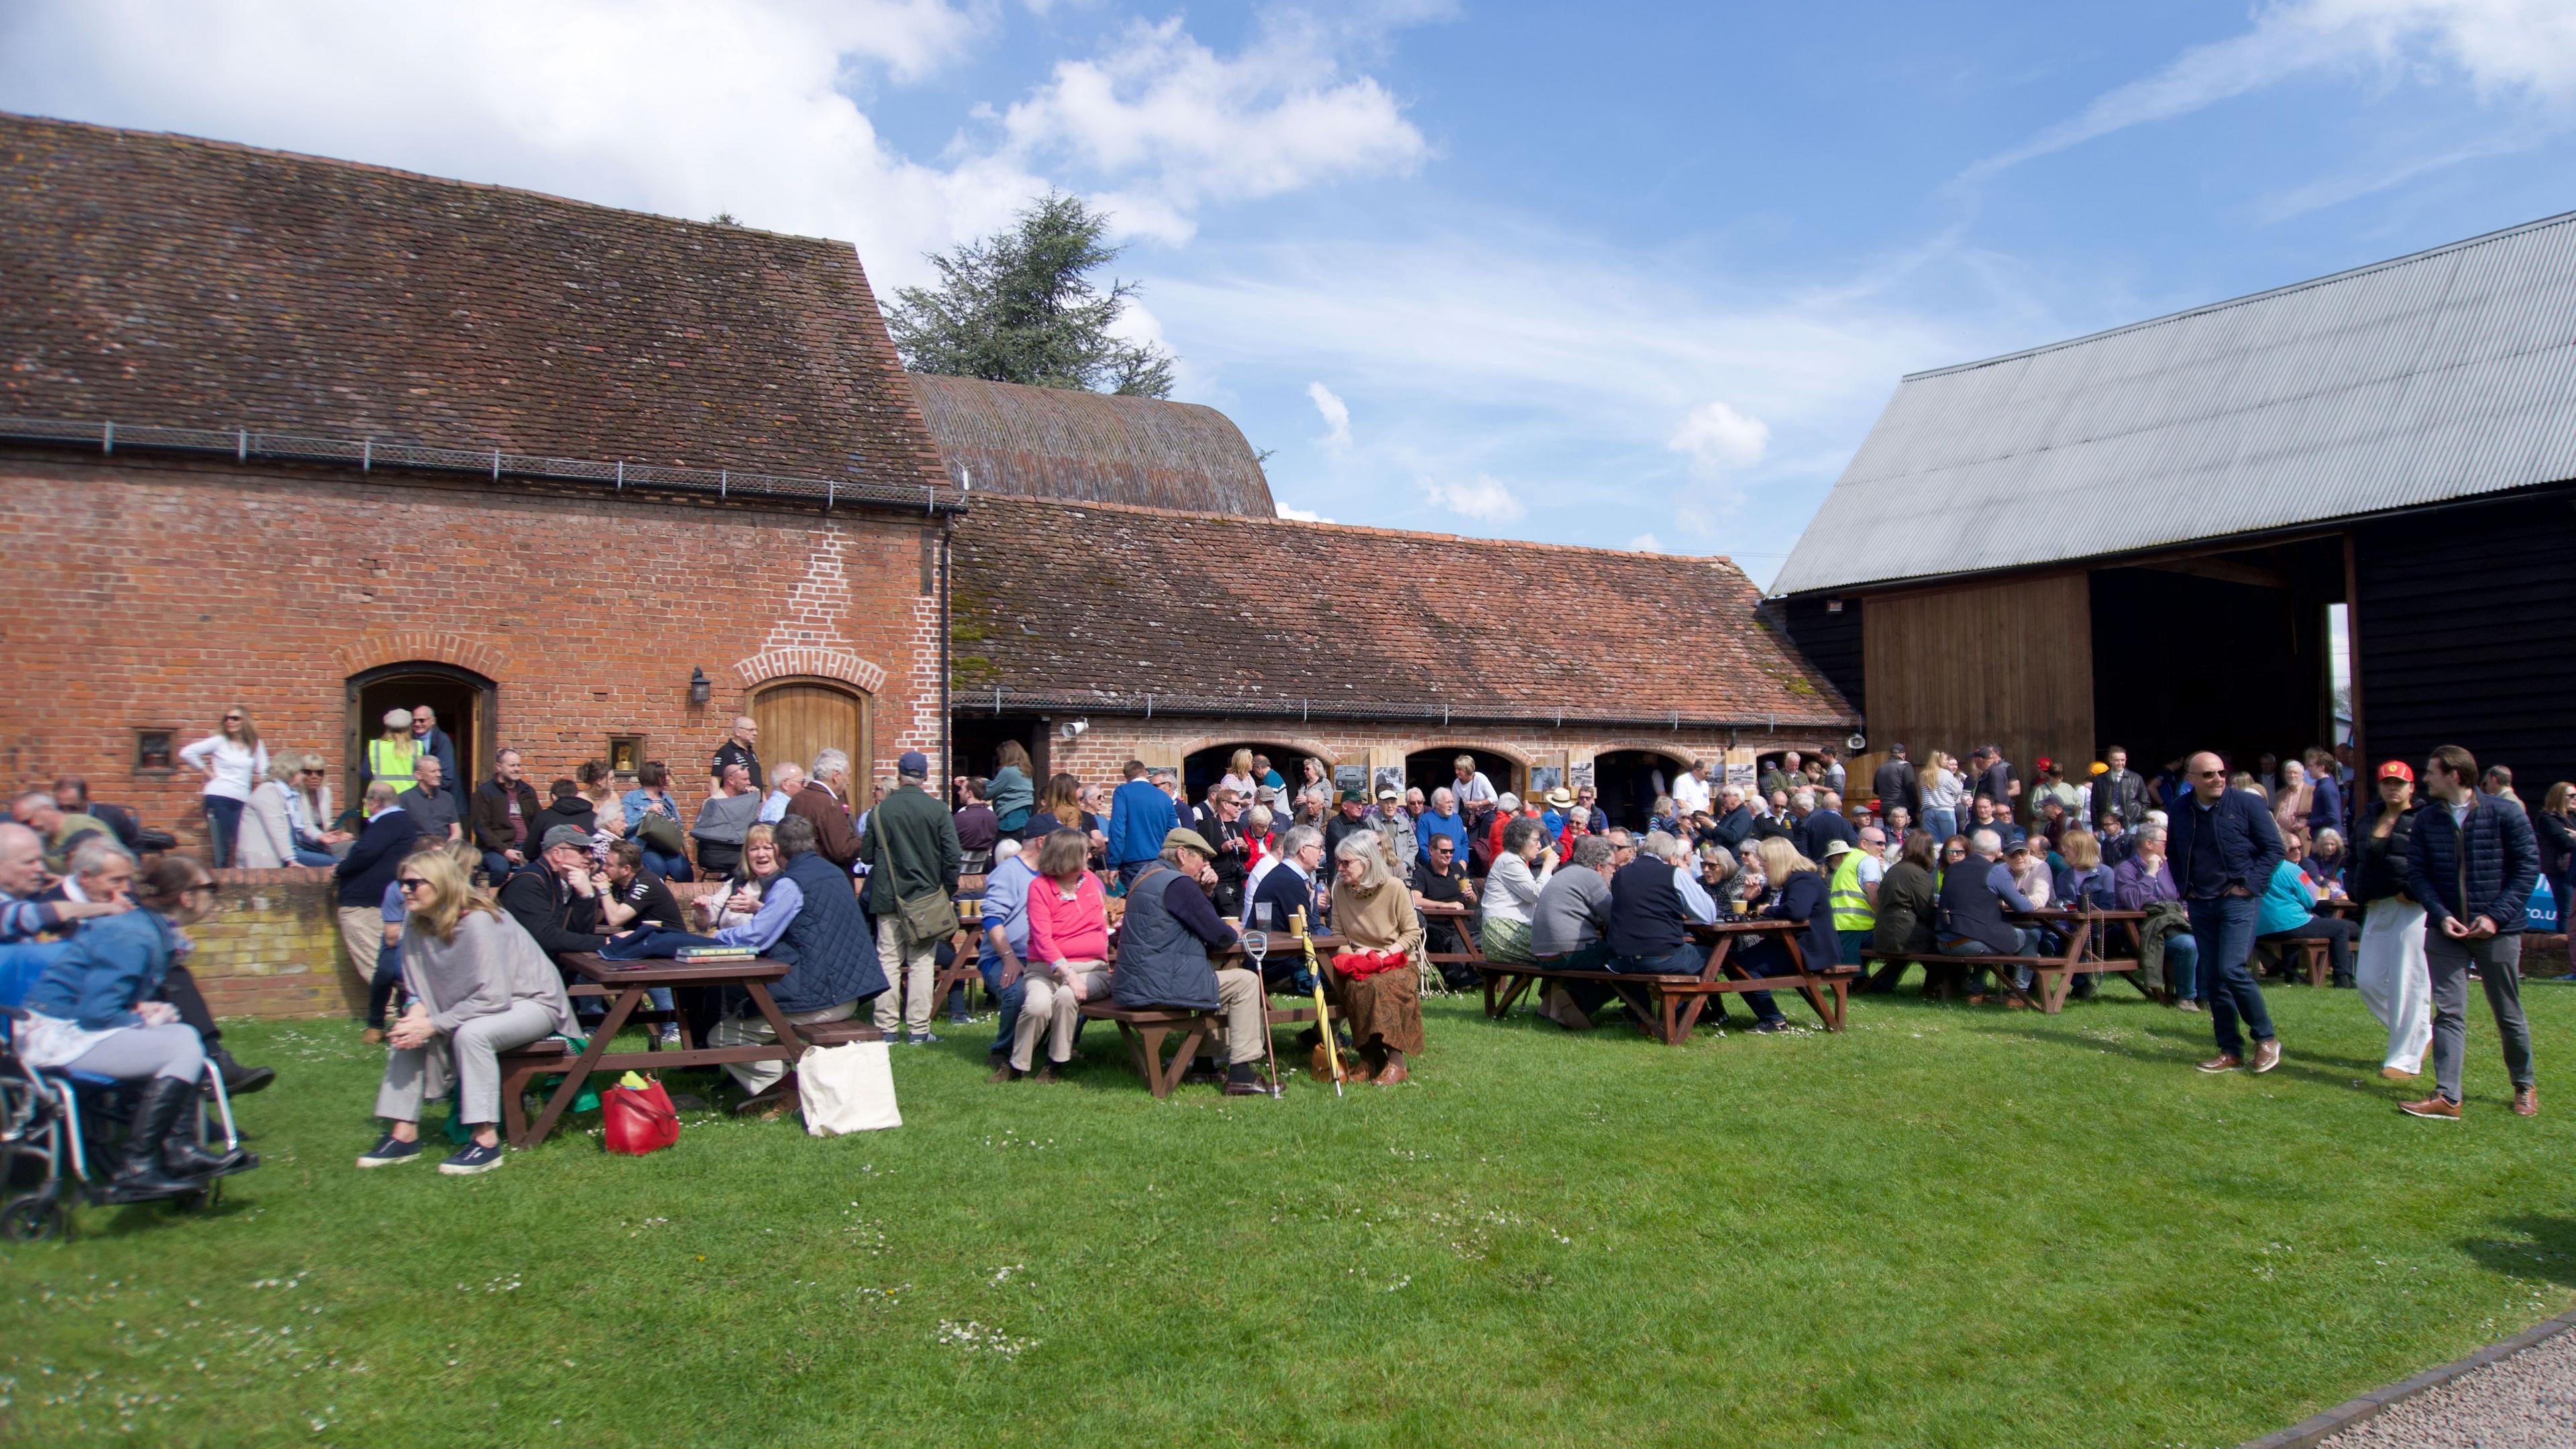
pixel 1047 442
pixel 162 280
pixel 1095 606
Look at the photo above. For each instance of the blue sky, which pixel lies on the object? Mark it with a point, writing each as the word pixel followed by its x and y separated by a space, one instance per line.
pixel 1618 274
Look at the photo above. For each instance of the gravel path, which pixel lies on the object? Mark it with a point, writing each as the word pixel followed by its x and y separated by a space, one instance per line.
pixel 2527 1401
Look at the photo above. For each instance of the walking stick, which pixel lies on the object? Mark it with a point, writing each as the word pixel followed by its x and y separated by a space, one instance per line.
pixel 1256 945
pixel 1323 1009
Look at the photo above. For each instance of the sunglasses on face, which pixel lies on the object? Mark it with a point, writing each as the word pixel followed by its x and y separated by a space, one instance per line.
pixel 232 719
pixel 412 883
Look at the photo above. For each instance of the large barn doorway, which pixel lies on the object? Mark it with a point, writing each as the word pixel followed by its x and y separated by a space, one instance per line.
pixel 1629 781
pixel 1429 770
pixel 2228 652
pixel 801 718
pixel 465 702
pixel 1201 769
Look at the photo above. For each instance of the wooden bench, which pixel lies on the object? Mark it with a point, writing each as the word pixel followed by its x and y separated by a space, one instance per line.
pixel 520 1068
pixel 1669 1007
pixel 2313 953
pixel 1146 1029
pixel 2053 975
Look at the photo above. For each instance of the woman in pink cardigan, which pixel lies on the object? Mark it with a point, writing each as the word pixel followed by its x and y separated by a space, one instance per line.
pixel 1068 955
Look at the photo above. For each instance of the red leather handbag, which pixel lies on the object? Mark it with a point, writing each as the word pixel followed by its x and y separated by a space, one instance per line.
pixel 637 1120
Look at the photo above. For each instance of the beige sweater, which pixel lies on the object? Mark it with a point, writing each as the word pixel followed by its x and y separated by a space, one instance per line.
pixel 492 962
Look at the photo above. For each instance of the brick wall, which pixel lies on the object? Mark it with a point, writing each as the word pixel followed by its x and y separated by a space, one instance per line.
pixel 271 948
pixel 155 594
pixel 1110 742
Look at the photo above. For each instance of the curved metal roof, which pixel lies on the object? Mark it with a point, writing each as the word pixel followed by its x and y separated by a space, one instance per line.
pixel 1089 447
pixel 2441 375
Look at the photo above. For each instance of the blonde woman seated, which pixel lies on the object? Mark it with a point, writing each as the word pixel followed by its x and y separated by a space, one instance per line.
pixel 480 985
pixel 1068 954
pixel 1381 994
pixel 736 900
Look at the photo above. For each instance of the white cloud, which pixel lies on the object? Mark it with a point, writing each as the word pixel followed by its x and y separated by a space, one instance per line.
pixel 1301 515
pixel 1720 440
pixel 1646 543
pixel 2525 47
pixel 1337 415
pixel 691 107
pixel 1482 497
pixel 1170 125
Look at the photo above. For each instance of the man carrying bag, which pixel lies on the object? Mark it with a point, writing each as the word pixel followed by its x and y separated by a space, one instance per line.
pixel 912 856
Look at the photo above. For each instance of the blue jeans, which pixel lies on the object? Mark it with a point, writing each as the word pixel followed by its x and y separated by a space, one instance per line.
pixel 2025 943
pixel 2224 930
pixel 2182 965
pixel 223 827
pixel 1764 958
pixel 1010 998
pixel 307 855
pixel 668 867
pixel 1942 823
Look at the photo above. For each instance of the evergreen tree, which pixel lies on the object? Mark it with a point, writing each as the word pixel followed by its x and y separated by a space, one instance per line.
pixel 1021 307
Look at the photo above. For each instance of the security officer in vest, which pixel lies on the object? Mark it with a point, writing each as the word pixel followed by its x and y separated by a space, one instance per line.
pixel 1163 954
pixel 1851 890
pixel 391 756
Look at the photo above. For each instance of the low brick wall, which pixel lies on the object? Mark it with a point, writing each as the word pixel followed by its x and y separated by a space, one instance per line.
pixel 271 948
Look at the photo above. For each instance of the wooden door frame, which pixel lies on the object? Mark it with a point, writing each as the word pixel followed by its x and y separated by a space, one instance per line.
pixel 863 760
pixel 469 753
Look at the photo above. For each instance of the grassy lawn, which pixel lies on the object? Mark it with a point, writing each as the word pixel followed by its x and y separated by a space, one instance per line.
pixel 1949 1226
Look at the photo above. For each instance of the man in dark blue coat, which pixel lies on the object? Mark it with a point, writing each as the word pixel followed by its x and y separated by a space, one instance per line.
pixel 2222 847
pixel 2471 863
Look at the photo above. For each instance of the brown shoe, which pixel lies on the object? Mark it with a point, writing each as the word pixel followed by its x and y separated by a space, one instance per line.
pixel 2395 1075
pixel 2526 1102
pixel 1394 1074
pixel 2267 1055
pixel 2223 1062
pixel 372 1036
pixel 1001 1074
pixel 1043 1074
pixel 2437 1107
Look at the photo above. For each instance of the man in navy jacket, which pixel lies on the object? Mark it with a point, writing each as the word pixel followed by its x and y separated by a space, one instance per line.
pixel 2471 863
pixel 1140 815
pixel 2222 846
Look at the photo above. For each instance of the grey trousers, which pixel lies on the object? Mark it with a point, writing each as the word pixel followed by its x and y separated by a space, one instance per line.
pixel 472 1058
pixel 135 1052
pixel 755 1030
pixel 2499 965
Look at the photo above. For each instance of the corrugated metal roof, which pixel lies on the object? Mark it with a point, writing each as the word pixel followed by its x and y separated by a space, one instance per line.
pixel 2441 375
pixel 1052 442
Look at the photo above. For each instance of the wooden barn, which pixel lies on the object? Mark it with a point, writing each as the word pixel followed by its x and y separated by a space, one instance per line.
pixel 2154 536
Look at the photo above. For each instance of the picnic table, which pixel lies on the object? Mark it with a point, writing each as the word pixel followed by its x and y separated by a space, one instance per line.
pixel 624 984
pixel 1145 1029
pixel 2053 974
pixel 1668 1007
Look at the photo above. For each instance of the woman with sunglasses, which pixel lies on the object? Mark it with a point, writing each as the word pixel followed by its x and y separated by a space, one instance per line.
pixel 2395 978
pixel 479 985
pixel 270 837
pixel 232 762
pixel 94 1011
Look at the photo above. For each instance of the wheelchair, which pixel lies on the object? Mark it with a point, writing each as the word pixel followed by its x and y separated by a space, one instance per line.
pixel 60 1135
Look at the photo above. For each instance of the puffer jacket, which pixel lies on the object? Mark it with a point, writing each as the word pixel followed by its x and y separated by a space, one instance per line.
pixel 2485 866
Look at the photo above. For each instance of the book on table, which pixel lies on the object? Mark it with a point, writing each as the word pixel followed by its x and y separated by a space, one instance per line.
pixel 717 953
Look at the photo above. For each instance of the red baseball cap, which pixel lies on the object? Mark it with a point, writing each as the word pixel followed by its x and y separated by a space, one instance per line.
pixel 2397 770
pixel 2046 764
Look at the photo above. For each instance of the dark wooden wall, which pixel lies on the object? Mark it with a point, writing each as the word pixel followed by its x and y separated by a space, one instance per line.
pixel 2463 631
pixel 1831 640
pixel 2007 663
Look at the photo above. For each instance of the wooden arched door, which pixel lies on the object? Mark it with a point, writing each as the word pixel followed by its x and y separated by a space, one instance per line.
pixel 801 718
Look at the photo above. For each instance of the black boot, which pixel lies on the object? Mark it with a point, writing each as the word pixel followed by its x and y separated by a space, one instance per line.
pixel 239 1080
pixel 184 1158
pixel 139 1175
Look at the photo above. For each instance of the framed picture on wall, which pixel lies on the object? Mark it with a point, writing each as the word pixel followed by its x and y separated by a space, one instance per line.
pixel 1579 777
pixel 152 749
pixel 1349 777
pixel 1388 777
pixel 1544 778
pixel 625 754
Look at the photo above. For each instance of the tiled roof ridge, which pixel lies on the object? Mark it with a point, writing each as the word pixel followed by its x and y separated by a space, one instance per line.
pixel 214 143
pixel 1374 530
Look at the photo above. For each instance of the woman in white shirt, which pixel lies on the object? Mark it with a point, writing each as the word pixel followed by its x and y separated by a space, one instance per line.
pixel 1511 889
pixel 1239 777
pixel 232 763
pixel 1941 795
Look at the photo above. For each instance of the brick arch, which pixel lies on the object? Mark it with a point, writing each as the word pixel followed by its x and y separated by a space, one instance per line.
pixel 1513 753
pixel 1257 738
pixel 408 646
pixel 811 662
pixel 1674 753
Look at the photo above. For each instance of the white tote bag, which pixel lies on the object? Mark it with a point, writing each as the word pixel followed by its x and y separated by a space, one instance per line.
pixel 848 1088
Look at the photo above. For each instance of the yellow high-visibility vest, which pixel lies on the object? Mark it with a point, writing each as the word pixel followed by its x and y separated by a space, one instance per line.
pixel 1852 910
pixel 392 761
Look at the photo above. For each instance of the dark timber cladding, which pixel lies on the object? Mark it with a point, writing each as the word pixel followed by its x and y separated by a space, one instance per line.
pixel 2007 663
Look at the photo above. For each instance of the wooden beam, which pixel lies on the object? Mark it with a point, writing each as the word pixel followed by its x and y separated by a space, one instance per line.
pixel 2223 571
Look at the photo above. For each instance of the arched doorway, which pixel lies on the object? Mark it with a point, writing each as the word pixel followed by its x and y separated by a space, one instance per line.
pixel 801 718
pixel 1201 769
pixel 1629 781
pixel 465 703
pixel 1428 770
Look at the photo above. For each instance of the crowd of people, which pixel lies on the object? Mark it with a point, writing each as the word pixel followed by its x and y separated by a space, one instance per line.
pixel 464 907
